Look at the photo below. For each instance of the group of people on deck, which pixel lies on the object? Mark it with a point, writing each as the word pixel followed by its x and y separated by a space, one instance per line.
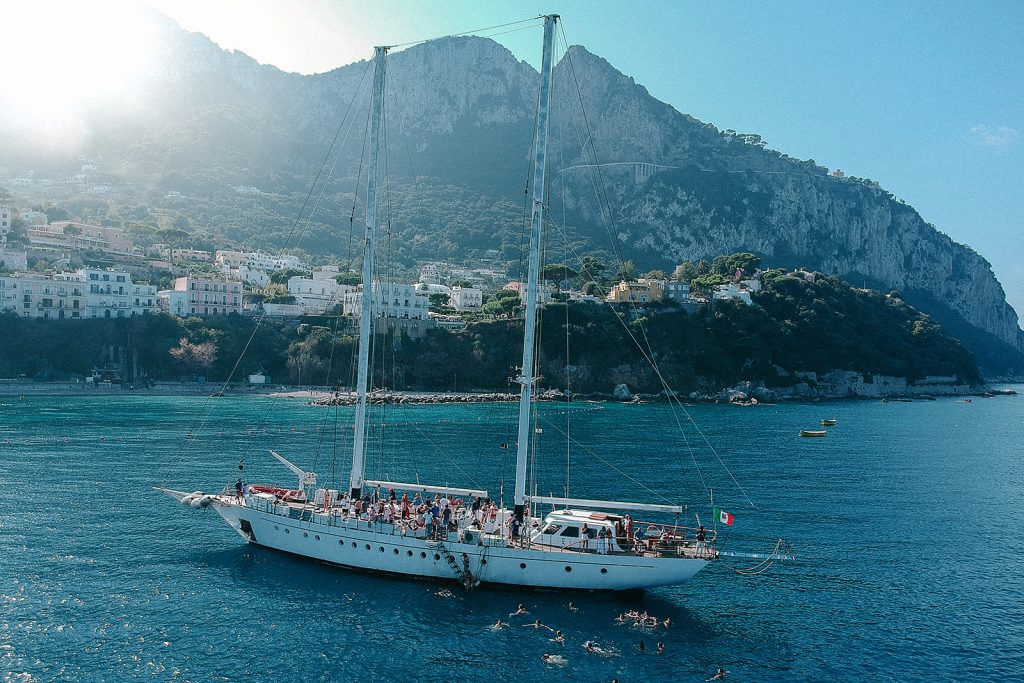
pixel 430 515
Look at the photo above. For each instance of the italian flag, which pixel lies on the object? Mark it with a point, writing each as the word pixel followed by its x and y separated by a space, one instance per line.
pixel 722 516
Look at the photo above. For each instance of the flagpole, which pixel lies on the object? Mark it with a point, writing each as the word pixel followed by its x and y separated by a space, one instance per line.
pixel 714 517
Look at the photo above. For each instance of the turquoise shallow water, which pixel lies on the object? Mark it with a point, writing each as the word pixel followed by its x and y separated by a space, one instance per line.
pixel 906 522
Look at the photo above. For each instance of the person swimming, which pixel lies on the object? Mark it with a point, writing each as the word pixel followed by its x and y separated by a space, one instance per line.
pixel 719 675
pixel 499 624
pixel 559 638
pixel 537 624
pixel 519 610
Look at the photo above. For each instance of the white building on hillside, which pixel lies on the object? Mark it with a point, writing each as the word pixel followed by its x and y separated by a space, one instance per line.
pixel 5 225
pixel 112 294
pixel 225 258
pixel 33 218
pixel 389 300
pixel 467 298
pixel 431 273
pixel 731 291
pixel 315 296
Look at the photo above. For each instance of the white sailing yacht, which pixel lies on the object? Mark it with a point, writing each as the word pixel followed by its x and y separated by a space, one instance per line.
pixel 581 544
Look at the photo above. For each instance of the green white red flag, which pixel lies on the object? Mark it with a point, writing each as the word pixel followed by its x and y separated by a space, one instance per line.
pixel 722 516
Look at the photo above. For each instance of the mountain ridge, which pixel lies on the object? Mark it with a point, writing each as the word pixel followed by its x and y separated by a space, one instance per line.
pixel 209 119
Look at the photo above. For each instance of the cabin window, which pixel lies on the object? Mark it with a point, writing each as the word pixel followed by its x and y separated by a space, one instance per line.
pixel 551 529
pixel 571 531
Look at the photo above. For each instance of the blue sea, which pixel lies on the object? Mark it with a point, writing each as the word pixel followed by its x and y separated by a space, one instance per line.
pixel 907 524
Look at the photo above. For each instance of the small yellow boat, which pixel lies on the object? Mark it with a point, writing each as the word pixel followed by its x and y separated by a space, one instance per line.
pixel 813 432
pixel 830 422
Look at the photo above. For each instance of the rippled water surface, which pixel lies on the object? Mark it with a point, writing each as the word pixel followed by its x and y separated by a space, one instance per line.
pixel 906 522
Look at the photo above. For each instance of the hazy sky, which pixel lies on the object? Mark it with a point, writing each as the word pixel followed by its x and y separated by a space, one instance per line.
pixel 925 97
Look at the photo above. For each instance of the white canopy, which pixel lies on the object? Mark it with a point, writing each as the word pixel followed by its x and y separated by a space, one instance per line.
pixel 586 503
pixel 426 489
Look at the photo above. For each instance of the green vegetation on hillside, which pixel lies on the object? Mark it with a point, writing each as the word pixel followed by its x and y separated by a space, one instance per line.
pixel 796 326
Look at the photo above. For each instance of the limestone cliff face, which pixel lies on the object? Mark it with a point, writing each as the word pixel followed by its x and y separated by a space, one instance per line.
pixel 693 192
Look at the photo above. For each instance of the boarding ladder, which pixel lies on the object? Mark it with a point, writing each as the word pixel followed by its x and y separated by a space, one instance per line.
pixel 464 575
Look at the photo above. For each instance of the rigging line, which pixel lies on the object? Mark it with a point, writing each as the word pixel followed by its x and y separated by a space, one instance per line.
pixel 611 465
pixel 611 218
pixel 600 187
pixel 323 186
pixel 465 33
pixel 203 410
pixel 444 454
pixel 650 360
pixel 323 164
pixel 295 224
pixel 327 383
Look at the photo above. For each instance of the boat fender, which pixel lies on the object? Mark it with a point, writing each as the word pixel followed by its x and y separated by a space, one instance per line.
pixel 189 497
pixel 203 502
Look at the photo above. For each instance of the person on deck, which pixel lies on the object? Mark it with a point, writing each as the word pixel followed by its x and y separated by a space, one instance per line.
pixel 701 536
pixel 238 489
pixel 585 537
pixel 638 541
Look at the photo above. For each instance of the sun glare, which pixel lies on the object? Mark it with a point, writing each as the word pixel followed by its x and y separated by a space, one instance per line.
pixel 61 59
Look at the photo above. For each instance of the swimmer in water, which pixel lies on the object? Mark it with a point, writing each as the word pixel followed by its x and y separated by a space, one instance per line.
pixel 519 610
pixel 573 608
pixel 661 648
pixel 499 624
pixel 559 638
pixel 589 646
pixel 537 624
pixel 719 675
pixel 556 660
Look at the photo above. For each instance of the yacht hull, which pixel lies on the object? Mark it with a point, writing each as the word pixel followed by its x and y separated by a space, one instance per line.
pixel 382 548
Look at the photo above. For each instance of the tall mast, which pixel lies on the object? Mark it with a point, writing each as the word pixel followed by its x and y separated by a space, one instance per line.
pixel 365 322
pixel 540 161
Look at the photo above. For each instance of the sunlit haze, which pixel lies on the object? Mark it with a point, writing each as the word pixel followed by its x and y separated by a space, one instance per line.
pixel 61 58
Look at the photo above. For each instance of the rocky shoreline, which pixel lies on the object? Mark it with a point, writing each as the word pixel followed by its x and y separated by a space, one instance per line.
pixel 834 388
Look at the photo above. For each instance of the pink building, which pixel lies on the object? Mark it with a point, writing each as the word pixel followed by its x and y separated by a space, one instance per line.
pixel 207 295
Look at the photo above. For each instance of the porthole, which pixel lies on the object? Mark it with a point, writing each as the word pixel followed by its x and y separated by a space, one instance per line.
pixel 396 551
pixel 317 537
pixel 287 531
pixel 382 548
pixel 305 535
pixel 568 568
pixel 367 546
pixel 341 542
pixel 522 565
pixel 409 552
pixel 277 528
pixel 483 561
pixel 604 570
pixel 436 557
pixel 423 556
pixel 353 544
